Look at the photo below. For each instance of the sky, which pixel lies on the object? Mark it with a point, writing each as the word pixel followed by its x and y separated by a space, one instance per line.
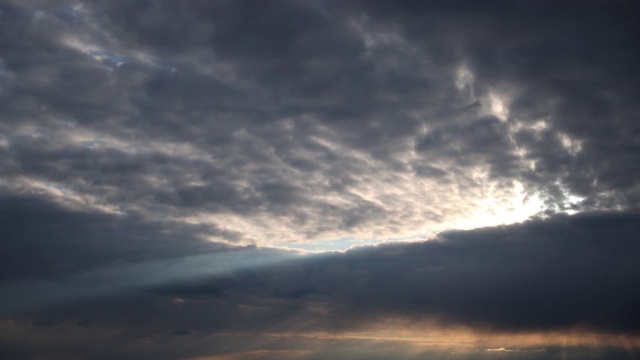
pixel 319 179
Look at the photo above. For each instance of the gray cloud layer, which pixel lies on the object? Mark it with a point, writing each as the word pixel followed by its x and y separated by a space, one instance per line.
pixel 284 121
pixel 154 153
pixel 560 273
pixel 575 272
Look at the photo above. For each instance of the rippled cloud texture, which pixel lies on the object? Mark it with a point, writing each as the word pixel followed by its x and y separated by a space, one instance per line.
pixel 319 179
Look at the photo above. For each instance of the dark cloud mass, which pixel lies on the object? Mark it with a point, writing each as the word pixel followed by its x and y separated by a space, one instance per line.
pixel 559 276
pixel 543 274
pixel 166 165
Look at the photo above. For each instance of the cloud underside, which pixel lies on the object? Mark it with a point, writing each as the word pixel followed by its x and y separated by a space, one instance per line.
pixel 160 160
pixel 540 289
pixel 287 122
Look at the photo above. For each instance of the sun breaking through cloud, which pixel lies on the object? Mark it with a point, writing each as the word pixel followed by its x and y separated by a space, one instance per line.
pixel 319 179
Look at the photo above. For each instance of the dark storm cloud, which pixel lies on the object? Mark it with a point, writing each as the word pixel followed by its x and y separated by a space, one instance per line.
pixel 52 254
pixel 557 274
pixel 42 240
pixel 541 275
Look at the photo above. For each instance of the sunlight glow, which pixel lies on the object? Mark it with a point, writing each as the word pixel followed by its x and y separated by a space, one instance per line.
pixel 498 107
pixel 431 336
pixel 573 146
pixel 501 208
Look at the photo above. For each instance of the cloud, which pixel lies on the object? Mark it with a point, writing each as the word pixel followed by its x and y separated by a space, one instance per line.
pixel 544 274
pixel 333 125
pixel 52 254
pixel 572 276
pixel 159 156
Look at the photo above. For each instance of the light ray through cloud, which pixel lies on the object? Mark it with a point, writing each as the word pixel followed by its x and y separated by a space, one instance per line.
pixel 319 179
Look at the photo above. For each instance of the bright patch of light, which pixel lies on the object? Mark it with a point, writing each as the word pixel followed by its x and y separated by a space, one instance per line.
pixel 63 195
pixel 571 201
pixel 498 107
pixel 540 125
pixel 428 335
pixel 500 208
pixel 78 44
pixel 572 146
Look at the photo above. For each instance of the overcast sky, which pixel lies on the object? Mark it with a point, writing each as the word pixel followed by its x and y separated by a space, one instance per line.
pixel 317 179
